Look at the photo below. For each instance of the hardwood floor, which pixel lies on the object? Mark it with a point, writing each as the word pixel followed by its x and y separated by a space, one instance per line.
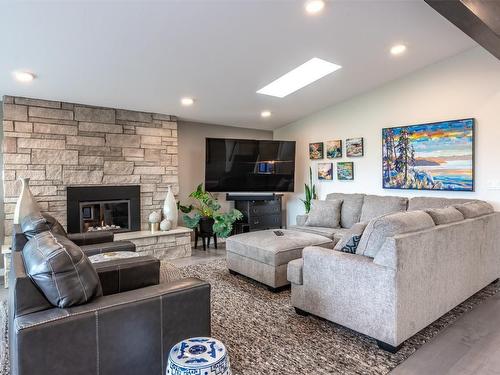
pixel 469 346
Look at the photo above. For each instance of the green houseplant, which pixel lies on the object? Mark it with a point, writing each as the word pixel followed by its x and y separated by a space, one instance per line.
pixel 206 214
pixel 310 191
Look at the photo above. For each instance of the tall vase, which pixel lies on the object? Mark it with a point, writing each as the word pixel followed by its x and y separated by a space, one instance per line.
pixel 26 204
pixel 170 208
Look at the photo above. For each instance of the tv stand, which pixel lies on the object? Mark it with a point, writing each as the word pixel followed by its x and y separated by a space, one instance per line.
pixel 260 211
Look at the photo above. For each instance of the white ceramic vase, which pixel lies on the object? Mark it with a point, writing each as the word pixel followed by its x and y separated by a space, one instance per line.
pixel 170 208
pixel 26 204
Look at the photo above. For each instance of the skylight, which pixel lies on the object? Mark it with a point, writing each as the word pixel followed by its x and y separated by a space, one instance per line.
pixel 299 77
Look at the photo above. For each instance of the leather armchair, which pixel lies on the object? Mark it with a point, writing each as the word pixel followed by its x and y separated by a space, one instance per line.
pixel 126 333
pixel 91 242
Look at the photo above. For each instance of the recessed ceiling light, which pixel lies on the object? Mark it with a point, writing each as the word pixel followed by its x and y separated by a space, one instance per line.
pixel 314 6
pixel 187 101
pixel 398 49
pixel 23 76
pixel 299 77
pixel 265 114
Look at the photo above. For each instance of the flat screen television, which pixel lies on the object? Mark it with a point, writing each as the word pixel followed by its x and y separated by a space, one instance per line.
pixel 248 165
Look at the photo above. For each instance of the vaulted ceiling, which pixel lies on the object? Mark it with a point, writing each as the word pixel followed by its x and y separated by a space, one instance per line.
pixel 147 55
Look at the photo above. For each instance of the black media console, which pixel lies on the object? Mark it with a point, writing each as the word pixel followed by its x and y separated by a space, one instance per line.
pixel 259 211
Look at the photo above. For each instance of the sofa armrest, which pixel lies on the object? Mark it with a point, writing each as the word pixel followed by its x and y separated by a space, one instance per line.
pixel 124 333
pixel 91 238
pixel 301 220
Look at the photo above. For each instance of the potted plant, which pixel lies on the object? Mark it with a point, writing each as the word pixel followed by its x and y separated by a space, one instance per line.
pixel 206 214
pixel 310 191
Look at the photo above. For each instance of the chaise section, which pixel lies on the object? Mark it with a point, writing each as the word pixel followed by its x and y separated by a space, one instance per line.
pixel 264 256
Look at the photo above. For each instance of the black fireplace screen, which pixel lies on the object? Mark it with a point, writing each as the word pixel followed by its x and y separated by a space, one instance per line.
pixel 93 208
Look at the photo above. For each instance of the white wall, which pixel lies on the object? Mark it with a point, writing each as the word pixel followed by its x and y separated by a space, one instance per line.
pixel 191 137
pixel 466 85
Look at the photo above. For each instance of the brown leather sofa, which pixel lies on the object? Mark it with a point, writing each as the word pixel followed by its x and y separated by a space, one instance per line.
pixel 126 333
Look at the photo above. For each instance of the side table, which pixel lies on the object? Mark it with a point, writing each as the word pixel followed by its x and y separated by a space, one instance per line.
pixel 6 252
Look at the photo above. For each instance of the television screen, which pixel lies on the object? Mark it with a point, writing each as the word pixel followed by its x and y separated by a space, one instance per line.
pixel 247 165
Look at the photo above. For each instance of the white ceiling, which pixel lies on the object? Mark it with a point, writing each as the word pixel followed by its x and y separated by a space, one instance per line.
pixel 146 56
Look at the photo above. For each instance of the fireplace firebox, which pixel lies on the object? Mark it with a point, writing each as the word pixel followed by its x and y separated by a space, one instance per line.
pixel 95 208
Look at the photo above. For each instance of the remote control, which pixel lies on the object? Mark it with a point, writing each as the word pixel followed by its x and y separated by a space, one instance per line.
pixel 278 232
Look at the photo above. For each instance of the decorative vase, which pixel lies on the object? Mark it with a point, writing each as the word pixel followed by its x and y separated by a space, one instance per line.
pixel 154 227
pixel 26 204
pixel 170 208
pixel 198 355
pixel 165 225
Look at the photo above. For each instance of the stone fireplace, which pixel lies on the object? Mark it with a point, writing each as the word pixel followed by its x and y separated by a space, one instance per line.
pixel 65 146
pixel 94 208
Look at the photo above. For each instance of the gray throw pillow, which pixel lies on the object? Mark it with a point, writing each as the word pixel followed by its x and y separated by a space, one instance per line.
pixel 33 224
pixel 350 240
pixel 445 215
pixel 61 270
pixel 324 214
pixel 383 227
pixel 475 209
pixel 54 225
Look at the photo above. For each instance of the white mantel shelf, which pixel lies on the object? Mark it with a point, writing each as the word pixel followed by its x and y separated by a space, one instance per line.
pixel 127 236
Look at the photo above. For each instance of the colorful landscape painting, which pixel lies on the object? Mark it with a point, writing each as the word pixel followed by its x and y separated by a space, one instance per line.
pixel 354 147
pixel 345 171
pixel 437 156
pixel 316 150
pixel 325 171
pixel 334 149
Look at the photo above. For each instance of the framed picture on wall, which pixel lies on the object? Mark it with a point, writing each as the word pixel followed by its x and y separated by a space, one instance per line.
pixel 434 156
pixel 316 151
pixel 345 171
pixel 325 171
pixel 334 149
pixel 354 147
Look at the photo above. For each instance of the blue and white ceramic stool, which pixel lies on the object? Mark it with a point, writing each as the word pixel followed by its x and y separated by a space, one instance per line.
pixel 198 356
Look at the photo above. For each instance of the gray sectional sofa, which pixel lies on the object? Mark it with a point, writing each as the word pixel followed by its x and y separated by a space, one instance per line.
pixel 408 270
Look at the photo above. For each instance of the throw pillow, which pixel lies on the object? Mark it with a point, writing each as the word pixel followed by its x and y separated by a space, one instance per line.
pixel 54 225
pixel 383 227
pixel 475 209
pixel 324 213
pixel 33 224
pixel 350 241
pixel 61 270
pixel 445 215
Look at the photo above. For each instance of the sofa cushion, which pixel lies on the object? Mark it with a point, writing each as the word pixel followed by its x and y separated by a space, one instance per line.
pixel 334 234
pixel 324 214
pixel 390 225
pixel 422 203
pixel 351 208
pixel 294 271
pixel 33 224
pixel 350 240
pixel 61 270
pixel 445 215
pixel 375 205
pixel 475 209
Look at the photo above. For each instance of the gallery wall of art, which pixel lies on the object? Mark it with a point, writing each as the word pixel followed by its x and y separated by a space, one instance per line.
pixel 462 87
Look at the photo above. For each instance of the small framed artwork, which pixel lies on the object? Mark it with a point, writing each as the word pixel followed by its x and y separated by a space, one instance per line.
pixel 345 171
pixel 325 171
pixel 354 147
pixel 316 151
pixel 334 149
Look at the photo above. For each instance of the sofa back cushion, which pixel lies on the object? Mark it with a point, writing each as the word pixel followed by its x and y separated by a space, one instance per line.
pixel 446 215
pixel 324 214
pixel 383 227
pixel 61 270
pixel 351 208
pixel 422 203
pixel 375 206
pixel 471 210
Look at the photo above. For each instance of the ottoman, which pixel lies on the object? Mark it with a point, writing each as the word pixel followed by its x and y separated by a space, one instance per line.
pixel 263 256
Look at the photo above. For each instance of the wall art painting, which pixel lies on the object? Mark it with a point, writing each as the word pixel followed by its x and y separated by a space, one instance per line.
pixel 325 171
pixel 316 150
pixel 345 171
pixel 354 147
pixel 334 149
